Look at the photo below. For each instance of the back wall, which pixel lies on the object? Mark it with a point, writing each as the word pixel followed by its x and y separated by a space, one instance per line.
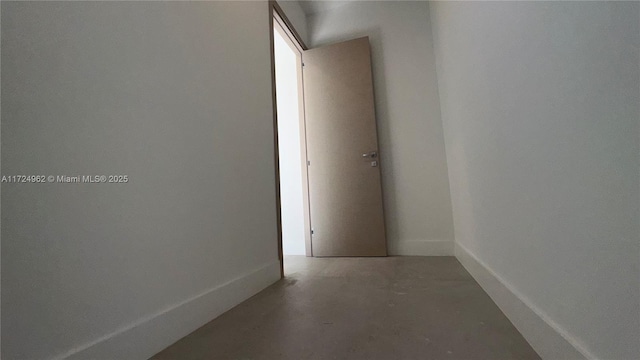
pixel 413 162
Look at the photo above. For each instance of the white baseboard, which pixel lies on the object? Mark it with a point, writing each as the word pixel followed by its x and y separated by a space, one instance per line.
pixel 147 336
pixel 546 337
pixel 422 248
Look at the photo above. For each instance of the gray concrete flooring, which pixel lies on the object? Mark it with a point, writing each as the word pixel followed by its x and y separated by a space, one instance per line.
pixel 361 308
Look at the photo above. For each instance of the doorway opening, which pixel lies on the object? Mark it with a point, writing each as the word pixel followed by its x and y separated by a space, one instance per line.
pixel 335 155
pixel 291 140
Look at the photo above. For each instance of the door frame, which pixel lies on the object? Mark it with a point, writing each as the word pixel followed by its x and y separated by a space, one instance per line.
pixel 278 18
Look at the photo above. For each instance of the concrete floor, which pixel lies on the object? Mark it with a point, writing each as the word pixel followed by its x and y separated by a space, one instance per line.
pixel 361 308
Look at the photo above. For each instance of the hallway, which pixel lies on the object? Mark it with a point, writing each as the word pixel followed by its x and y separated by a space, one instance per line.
pixel 361 308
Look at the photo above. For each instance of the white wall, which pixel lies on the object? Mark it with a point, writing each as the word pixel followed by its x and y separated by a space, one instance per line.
pixel 178 97
pixel 414 170
pixel 296 15
pixel 289 146
pixel 541 113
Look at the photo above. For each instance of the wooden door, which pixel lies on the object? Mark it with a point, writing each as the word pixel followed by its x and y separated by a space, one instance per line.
pixel 342 151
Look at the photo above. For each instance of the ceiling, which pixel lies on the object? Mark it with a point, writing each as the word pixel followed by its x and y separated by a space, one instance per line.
pixel 315 6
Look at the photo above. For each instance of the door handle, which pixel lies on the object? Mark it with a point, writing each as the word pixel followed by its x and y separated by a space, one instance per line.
pixel 372 155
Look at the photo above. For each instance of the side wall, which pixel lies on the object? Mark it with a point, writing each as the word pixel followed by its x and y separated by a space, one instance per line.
pixel 413 164
pixel 541 116
pixel 178 97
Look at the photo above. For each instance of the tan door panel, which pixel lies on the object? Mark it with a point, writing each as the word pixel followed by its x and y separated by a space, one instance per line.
pixel 342 146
